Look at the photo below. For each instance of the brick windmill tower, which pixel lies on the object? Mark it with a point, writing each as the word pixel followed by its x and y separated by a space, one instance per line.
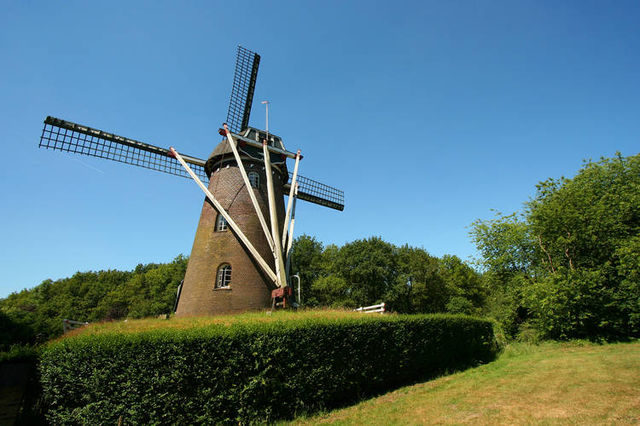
pixel 241 252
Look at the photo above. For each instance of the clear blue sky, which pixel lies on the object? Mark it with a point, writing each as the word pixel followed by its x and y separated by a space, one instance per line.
pixel 428 114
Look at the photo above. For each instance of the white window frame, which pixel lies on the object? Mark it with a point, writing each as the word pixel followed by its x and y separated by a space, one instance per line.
pixel 223 276
pixel 221 223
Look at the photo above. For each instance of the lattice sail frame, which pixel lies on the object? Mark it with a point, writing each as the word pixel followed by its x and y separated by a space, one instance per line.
pixel 244 84
pixel 66 136
pixel 62 135
pixel 318 193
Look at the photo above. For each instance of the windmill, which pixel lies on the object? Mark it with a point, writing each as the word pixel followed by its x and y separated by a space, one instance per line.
pixel 241 254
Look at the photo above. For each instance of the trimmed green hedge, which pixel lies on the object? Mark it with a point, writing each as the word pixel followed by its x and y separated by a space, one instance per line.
pixel 248 373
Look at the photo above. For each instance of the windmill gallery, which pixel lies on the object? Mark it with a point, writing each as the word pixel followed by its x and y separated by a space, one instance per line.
pixel 240 259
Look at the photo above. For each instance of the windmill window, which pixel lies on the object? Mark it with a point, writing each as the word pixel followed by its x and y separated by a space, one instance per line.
pixel 221 223
pixel 223 279
pixel 254 179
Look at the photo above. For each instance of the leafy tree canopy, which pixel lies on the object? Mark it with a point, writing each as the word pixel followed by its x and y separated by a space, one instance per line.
pixel 568 266
pixel 36 315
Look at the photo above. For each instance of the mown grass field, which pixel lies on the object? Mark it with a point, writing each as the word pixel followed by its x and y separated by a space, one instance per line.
pixel 554 383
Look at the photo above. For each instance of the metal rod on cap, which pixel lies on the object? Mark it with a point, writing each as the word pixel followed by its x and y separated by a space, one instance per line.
pixel 266 103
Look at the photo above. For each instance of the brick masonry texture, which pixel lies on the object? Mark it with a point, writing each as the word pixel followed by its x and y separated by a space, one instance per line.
pixel 250 289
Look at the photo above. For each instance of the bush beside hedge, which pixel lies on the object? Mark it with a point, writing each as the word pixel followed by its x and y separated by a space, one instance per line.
pixel 250 372
pixel 19 353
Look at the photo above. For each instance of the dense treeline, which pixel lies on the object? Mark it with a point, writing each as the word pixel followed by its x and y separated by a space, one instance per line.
pixel 569 265
pixel 35 315
pixel 369 271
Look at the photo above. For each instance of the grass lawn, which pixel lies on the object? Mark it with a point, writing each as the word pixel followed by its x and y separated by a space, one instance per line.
pixel 554 383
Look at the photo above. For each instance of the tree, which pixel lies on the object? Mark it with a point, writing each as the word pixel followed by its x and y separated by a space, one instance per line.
pixel 508 261
pixel 628 269
pixel 369 268
pixel 13 330
pixel 466 291
pixel 582 221
pixel 306 261
pixel 369 271
pixel 427 292
pixel 505 243
pixel 569 266
pixel 36 315
pixel 332 290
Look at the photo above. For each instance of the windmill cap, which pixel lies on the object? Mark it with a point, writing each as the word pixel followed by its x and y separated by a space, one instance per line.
pixel 223 153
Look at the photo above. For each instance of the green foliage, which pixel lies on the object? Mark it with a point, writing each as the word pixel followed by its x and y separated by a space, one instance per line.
pixel 569 266
pixel 369 268
pixel 505 243
pixel 628 269
pixel 33 316
pixel 465 287
pixel 332 290
pixel 13 329
pixel 369 271
pixel 306 255
pixel 571 304
pixel 18 353
pixel 250 372
pixel 582 221
pixel 428 292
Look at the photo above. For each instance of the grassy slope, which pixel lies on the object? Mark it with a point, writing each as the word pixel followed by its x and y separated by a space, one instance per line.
pixel 189 323
pixel 571 383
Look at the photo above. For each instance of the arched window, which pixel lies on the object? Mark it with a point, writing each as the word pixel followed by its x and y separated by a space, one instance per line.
pixel 221 223
pixel 254 179
pixel 223 279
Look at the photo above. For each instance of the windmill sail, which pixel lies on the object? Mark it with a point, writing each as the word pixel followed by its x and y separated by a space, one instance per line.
pixel 318 193
pixel 62 135
pixel 244 84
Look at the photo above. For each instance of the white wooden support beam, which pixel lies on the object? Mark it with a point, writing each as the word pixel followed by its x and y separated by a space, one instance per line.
pixel 280 271
pixel 254 201
pixel 285 229
pixel 265 267
pixel 293 221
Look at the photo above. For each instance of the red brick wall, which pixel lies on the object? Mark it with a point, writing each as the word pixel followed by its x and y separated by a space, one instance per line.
pixel 249 288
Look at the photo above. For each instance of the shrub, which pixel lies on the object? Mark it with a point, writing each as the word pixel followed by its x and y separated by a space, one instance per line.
pixel 250 372
pixel 575 304
pixel 19 353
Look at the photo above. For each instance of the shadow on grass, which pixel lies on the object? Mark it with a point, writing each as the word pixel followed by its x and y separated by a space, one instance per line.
pixel 390 386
